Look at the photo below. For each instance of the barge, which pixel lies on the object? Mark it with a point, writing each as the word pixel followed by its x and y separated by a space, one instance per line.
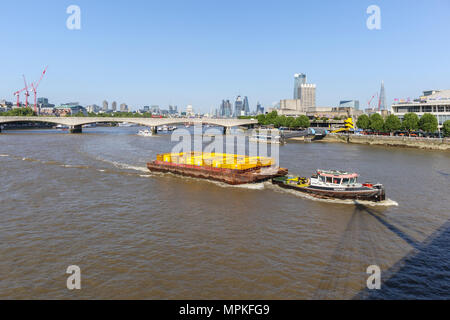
pixel 228 168
pixel 332 184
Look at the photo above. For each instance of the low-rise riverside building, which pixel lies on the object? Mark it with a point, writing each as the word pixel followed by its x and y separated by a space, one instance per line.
pixel 436 102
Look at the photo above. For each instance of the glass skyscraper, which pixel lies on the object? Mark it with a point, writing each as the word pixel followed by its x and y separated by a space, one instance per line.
pixel 299 79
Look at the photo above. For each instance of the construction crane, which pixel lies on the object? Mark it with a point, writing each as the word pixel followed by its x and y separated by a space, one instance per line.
pixel 17 94
pixel 27 94
pixel 370 101
pixel 35 87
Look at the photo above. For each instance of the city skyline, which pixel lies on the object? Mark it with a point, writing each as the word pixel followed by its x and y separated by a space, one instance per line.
pixel 157 60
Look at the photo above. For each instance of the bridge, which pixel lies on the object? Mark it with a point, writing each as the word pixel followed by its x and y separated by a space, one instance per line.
pixel 75 123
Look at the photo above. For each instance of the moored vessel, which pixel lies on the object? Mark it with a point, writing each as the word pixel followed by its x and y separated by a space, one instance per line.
pixel 332 184
pixel 228 168
pixel 145 133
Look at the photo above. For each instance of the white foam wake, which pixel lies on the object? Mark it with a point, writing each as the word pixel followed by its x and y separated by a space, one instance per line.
pixel 385 203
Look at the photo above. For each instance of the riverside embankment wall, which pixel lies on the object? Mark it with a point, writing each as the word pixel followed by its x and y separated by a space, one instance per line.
pixel 409 142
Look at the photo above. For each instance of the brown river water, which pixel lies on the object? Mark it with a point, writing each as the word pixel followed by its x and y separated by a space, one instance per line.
pixel 88 200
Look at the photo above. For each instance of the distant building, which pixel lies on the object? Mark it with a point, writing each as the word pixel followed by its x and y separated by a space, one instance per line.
pixel 173 110
pixel 349 104
pixel 93 108
pixel 239 107
pixel 225 110
pixel 114 106
pixel 43 101
pixel 123 107
pixel 304 97
pixel 189 110
pixel 299 79
pixel 70 109
pixel 259 109
pixel 105 106
pixel 155 109
pixel 436 102
pixel 382 101
pixel 246 107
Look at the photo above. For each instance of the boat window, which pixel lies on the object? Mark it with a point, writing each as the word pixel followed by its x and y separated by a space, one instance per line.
pixel 322 179
pixel 329 180
pixel 336 181
pixel 352 180
pixel 345 180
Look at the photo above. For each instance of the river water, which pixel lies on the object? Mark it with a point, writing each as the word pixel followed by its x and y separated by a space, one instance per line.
pixel 88 200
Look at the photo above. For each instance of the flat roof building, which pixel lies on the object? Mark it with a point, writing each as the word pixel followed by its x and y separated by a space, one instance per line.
pixel 436 102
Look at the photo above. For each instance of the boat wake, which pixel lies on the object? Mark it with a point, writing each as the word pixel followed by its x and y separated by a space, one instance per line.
pixel 385 203
pixel 121 165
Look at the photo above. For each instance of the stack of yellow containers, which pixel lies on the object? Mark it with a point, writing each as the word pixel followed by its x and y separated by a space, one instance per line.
pixel 216 160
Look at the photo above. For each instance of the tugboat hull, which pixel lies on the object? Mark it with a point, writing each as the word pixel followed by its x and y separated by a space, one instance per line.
pixel 375 194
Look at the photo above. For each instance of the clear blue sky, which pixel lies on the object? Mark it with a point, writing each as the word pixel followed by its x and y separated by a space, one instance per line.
pixel 199 52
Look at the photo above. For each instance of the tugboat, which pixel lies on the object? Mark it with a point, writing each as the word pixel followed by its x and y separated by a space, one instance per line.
pixel 332 184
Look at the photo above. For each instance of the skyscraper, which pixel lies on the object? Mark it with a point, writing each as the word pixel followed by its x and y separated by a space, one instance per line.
pixel 259 109
pixel 238 106
pixel 246 107
pixel 382 101
pixel 114 106
pixel 225 109
pixel 299 79
pixel 105 105
pixel 123 107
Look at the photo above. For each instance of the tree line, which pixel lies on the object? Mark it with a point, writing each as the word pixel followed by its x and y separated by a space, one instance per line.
pixel 411 122
pixel 277 121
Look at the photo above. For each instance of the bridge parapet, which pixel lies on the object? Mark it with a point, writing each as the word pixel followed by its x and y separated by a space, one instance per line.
pixel 148 122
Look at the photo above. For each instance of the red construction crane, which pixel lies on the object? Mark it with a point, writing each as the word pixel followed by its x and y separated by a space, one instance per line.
pixel 370 101
pixel 17 94
pixel 27 94
pixel 35 86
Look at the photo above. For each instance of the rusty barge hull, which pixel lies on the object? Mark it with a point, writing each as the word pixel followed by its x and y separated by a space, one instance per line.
pixel 229 176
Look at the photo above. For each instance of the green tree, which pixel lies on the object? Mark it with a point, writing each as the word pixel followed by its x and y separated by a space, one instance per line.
pixel 446 128
pixel 392 123
pixel 410 122
pixel 376 122
pixel 20 112
pixel 271 117
pixel 302 122
pixel 428 123
pixel 290 121
pixel 261 119
pixel 363 122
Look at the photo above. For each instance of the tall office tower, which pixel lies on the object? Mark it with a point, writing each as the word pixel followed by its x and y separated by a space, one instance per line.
pixel 225 109
pixel 105 105
pixel 123 107
pixel 221 111
pixel 246 107
pixel 299 79
pixel 229 109
pixel 114 106
pixel 382 101
pixel 238 106
pixel 259 109
pixel 307 96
